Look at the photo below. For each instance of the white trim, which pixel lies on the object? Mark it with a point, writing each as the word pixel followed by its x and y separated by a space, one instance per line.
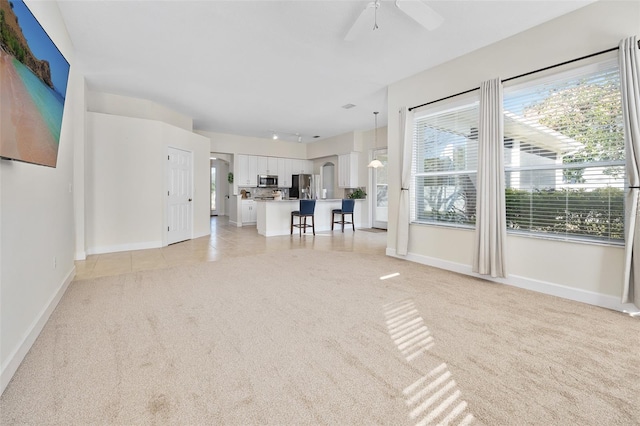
pixel 125 247
pixel 81 255
pixel 558 290
pixel 17 356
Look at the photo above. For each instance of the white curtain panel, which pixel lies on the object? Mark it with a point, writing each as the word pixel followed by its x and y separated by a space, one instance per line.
pixel 630 87
pixel 491 224
pixel 406 148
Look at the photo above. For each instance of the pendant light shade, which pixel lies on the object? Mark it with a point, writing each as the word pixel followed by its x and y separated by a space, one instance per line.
pixel 375 163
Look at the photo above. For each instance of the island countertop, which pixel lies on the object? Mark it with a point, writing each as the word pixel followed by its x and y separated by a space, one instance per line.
pixel 274 216
pixel 323 200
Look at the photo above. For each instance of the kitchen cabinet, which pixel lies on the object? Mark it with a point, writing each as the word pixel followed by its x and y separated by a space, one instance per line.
pixel 246 170
pixel 302 167
pixel 248 212
pixel 284 172
pixel 248 167
pixel 348 170
pixel 267 165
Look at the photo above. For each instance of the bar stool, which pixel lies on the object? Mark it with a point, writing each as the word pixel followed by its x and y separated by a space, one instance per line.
pixel 307 208
pixel 347 209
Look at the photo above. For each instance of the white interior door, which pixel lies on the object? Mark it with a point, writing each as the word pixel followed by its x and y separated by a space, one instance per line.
pixel 180 196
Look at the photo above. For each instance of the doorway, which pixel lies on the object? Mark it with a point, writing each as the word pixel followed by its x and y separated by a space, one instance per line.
pixel 214 180
pixel 328 179
pixel 219 187
pixel 380 201
pixel 180 196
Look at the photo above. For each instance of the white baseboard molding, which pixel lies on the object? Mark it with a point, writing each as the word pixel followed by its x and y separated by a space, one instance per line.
pixel 124 247
pixel 558 290
pixel 15 358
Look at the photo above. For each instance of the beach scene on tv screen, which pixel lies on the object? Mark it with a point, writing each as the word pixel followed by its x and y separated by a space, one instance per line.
pixel 33 84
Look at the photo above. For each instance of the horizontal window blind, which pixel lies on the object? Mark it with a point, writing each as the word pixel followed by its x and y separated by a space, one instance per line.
pixel 445 163
pixel 564 155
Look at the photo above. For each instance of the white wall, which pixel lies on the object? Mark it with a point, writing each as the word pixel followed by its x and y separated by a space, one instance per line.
pixel 235 144
pixel 36 222
pixel 108 103
pixel 590 273
pixel 335 145
pixel 126 182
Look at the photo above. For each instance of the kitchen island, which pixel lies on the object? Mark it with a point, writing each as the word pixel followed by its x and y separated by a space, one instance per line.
pixel 274 216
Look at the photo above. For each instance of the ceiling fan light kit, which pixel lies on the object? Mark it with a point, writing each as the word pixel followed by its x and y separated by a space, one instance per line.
pixel 415 9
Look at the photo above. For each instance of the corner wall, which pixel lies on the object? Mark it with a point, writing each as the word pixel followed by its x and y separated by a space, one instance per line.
pixel 126 182
pixel 124 106
pixel 586 272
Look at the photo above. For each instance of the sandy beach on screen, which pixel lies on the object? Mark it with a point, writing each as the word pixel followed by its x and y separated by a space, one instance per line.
pixel 23 132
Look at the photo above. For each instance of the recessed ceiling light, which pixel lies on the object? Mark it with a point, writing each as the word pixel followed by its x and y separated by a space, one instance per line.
pixel 348 106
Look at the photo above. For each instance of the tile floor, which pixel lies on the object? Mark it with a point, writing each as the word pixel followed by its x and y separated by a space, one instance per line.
pixel 225 241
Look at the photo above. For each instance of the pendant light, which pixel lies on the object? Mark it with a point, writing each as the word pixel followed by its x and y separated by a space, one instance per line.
pixel 375 163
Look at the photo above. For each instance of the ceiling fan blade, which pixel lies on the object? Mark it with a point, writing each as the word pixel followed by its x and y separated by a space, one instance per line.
pixel 365 21
pixel 421 13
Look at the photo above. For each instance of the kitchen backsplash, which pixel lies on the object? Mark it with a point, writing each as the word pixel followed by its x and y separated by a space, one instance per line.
pixel 263 192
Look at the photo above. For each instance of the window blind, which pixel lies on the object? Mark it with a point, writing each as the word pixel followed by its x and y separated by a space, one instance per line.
pixel 564 155
pixel 445 162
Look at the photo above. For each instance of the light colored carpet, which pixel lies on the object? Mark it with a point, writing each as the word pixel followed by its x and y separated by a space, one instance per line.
pixel 316 337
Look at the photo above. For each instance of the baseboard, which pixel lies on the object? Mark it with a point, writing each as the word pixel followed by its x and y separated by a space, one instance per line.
pixel 125 247
pixel 558 290
pixel 15 358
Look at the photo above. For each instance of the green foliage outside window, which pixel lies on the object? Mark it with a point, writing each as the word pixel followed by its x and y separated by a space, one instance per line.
pixel 597 214
pixel 590 114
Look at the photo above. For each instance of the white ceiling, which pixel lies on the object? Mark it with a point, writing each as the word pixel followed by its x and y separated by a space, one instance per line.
pixel 250 67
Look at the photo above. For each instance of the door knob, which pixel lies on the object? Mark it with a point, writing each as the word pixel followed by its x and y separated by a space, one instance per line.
pixel 189 199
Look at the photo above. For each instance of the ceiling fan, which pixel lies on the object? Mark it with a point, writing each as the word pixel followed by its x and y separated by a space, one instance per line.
pixel 415 9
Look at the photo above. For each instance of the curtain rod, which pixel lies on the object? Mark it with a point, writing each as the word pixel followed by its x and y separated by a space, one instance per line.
pixel 522 75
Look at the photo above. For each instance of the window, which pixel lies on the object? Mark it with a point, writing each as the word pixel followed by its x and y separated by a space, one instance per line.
pixel 564 155
pixel 445 163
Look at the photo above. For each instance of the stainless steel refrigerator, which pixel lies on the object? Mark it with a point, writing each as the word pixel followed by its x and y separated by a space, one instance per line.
pixel 301 187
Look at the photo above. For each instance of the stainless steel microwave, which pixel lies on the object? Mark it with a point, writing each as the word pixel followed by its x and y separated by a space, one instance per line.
pixel 267 181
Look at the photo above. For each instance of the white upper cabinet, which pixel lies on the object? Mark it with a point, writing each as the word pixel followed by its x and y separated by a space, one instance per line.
pixel 284 172
pixel 302 167
pixel 348 170
pixel 267 166
pixel 246 170
pixel 248 167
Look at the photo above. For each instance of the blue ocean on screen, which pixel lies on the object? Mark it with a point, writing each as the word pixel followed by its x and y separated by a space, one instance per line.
pixel 49 103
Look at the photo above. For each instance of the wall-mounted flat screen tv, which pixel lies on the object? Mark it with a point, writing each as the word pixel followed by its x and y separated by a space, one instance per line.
pixel 33 84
